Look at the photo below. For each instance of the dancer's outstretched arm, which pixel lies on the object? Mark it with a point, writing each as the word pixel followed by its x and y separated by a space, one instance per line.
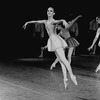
pixel 63 21
pixel 95 39
pixel 38 21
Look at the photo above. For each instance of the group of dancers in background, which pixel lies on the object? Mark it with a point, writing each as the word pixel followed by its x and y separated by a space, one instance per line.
pixel 60 40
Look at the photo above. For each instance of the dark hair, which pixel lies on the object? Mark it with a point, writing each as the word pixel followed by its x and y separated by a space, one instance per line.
pixel 51 8
pixel 98 24
pixel 61 24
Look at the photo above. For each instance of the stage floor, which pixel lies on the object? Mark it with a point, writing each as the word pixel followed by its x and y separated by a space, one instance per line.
pixel 31 79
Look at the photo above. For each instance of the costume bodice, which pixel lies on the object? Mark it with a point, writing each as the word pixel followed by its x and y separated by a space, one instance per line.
pixel 50 28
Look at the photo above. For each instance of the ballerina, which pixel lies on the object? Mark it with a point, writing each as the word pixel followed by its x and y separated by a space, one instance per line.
pixel 56 44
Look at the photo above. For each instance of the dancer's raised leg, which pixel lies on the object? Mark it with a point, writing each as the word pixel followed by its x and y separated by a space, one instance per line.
pixel 54 63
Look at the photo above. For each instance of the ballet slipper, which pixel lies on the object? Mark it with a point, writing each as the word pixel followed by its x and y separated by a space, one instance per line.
pixel 73 78
pixel 52 66
pixel 66 83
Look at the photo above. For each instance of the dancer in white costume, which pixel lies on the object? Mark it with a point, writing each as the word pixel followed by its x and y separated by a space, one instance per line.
pixel 95 39
pixel 56 44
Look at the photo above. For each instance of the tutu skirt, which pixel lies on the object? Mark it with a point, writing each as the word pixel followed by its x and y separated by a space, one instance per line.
pixel 55 42
pixel 72 42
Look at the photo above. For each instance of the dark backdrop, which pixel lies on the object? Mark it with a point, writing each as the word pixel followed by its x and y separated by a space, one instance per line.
pixel 16 42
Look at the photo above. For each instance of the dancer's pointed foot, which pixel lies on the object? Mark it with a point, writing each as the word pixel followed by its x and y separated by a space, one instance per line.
pixel 66 83
pixel 98 68
pixel 41 56
pixel 73 78
pixel 52 66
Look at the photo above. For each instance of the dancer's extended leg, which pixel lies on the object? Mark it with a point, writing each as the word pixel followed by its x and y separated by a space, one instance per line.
pixel 94 49
pixel 74 51
pixel 70 52
pixel 61 55
pixel 98 68
pixel 54 63
pixel 42 51
pixel 64 74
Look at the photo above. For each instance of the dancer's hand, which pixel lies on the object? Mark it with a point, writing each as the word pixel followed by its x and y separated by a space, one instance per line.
pixel 65 23
pixel 45 47
pixel 90 48
pixel 24 26
pixel 69 22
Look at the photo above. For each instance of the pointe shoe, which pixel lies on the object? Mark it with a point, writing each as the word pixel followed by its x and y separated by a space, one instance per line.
pixel 66 83
pixel 98 68
pixel 73 78
pixel 52 66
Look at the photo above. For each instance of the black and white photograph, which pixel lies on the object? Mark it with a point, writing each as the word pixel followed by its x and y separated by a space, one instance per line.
pixel 50 50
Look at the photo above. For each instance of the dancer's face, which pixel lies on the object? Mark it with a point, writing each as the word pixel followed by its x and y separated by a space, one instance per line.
pixel 98 20
pixel 50 12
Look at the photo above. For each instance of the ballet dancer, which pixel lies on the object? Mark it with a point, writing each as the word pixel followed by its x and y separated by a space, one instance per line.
pixel 71 42
pixel 56 44
pixel 74 31
pixel 95 39
pixel 92 32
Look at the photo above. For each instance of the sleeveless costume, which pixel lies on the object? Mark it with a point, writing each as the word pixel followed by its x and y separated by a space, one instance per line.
pixel 55 42
pixel 71 42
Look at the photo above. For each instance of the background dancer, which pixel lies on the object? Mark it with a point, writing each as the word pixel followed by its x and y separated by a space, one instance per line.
pixel 71 42
pixel 92 32
pixel 74 32
pixel 95 39
pixel 56 44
